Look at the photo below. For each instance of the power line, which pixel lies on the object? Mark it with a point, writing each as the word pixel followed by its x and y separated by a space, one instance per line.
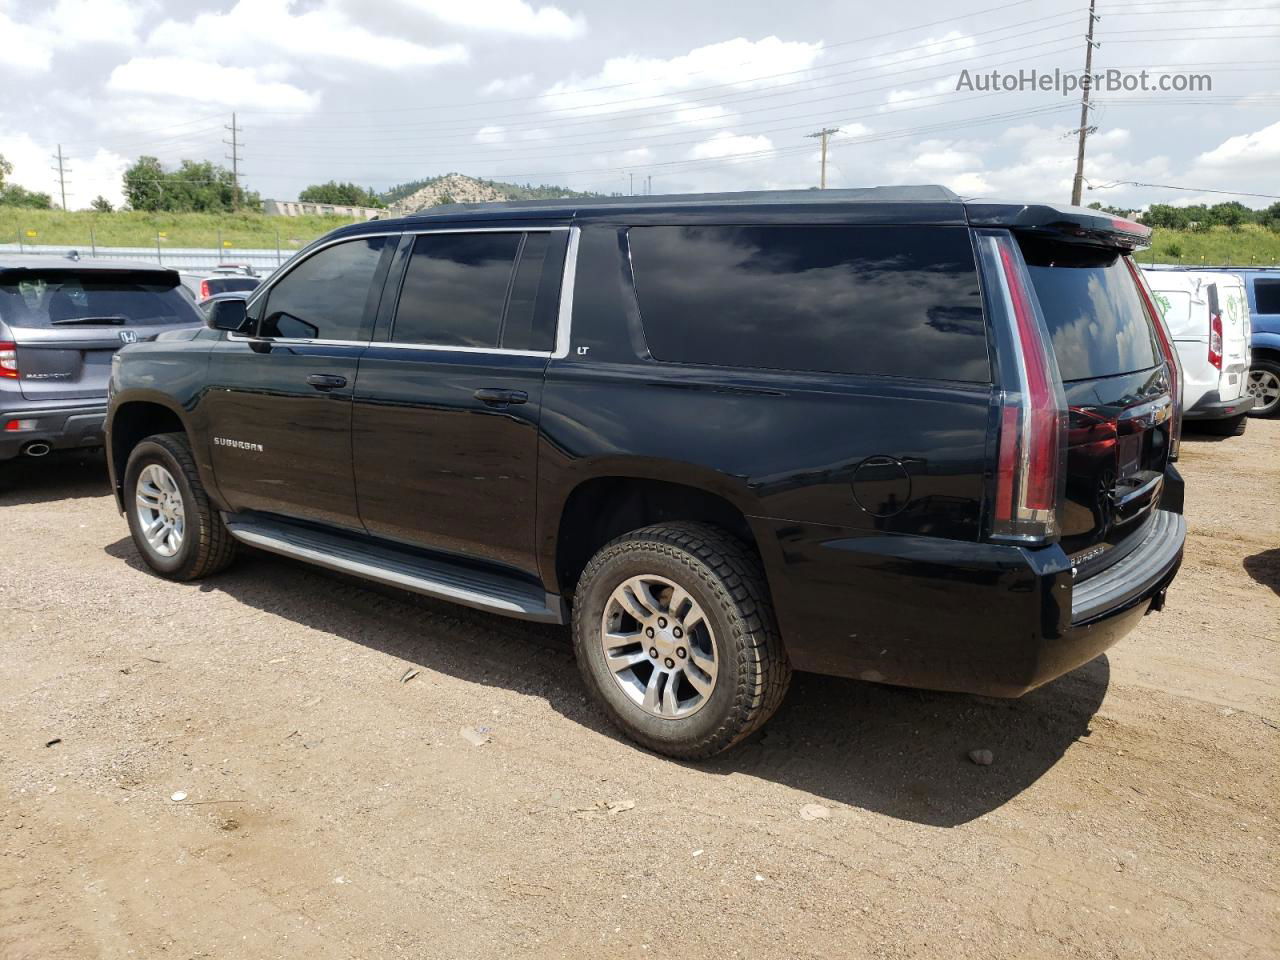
pixel 1169 186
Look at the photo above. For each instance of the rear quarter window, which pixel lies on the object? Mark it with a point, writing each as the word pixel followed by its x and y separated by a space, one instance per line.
pixel 1266 294
pixel 889 301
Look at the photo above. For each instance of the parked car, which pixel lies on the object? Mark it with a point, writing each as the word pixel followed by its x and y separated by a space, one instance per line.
pixel 61 321
pixel 203 286
pixel 1263 288
pixel 884 433
pixel 1208 316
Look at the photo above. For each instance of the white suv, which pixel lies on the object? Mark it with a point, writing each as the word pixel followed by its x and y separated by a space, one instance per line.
pixel 1208 315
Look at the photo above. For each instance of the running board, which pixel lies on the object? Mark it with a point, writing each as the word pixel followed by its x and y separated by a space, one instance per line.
pixel 400 568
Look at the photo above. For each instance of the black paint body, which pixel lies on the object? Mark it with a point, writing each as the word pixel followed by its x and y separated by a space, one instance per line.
pixel 868 497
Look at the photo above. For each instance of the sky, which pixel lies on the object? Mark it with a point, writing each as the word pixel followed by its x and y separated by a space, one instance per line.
pixel 696 95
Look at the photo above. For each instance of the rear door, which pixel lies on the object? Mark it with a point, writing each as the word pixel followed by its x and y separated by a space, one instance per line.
pixel 1233 305
pixel 67 323
pixel 445 431
pixel 1118 389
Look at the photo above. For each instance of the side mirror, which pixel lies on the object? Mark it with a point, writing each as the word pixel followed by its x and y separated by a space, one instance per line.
pixel 228 315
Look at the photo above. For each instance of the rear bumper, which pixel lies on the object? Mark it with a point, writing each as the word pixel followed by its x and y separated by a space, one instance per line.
pixel 970 617
pixel 1210 407
pixel 62 426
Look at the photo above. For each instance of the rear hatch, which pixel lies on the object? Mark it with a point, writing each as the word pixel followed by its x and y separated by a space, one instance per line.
pixel 1233 306
pixel 1118 390
pixel 67 322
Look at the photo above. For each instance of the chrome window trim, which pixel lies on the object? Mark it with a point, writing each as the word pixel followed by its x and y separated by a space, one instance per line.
pixel 564 319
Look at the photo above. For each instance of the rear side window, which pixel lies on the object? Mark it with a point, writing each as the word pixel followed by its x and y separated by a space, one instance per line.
pixel 890 301
pixel 327 296
pixel 455 289
pixel 55 298
pixel 1267 295
pixel 1175 307
pixel 1093 310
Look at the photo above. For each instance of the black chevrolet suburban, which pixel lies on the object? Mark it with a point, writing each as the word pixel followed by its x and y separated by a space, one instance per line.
pixel 883 433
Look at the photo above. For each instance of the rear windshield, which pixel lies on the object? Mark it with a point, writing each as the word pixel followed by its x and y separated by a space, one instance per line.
pixel 56 297
pixel 230 284
pixel 1093 309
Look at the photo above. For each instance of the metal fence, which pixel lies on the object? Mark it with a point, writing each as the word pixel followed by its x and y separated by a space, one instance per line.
pixel 194 259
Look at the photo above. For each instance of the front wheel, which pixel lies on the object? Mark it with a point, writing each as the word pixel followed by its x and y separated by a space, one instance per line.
pixel 174 527
pixel 675 637
pixel 1263 384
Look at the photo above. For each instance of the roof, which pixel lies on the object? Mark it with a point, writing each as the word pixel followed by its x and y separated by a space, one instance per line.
pixel 45 261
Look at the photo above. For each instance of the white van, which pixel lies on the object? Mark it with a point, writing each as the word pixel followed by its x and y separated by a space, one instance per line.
pixel 1208 316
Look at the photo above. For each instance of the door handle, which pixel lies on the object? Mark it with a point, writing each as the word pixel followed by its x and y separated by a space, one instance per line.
pixel 326 381
pixel 496 397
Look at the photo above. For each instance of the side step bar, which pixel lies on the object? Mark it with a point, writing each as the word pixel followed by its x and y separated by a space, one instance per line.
pixel 400 568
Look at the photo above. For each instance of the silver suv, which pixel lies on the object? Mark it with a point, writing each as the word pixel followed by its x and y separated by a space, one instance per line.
pixel 61 321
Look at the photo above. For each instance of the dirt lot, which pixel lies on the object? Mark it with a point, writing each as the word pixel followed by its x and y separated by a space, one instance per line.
pixel 335 811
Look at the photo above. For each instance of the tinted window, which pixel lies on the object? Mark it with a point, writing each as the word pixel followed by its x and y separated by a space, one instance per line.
pixel 533 304
pixel 230 284
pixel 455 289
pixel 326 296
pixel 56 297
pixel 893 301
pixel 1093 309
pixel 1267 295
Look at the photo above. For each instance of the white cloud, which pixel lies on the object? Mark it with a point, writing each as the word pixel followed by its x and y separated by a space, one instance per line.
pixel 66 25
pixel 504 16
pixel 208 83
pixel 25 47
pixel 727 145
pixel 1247 151
pixel 253 29
pixel 507 85
pixel 491 134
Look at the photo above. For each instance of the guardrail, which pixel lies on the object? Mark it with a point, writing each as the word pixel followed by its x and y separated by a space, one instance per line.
pixel 193 259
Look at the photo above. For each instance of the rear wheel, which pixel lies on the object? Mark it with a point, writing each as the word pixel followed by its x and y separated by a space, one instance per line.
pixel 174 527
pixel 675 636
pixel 1263 384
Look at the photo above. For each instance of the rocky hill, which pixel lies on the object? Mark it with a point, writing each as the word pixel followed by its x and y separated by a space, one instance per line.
pixel 459 188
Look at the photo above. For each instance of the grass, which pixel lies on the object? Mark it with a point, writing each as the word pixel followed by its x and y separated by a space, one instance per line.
pixel 139 229
pixel 1249 244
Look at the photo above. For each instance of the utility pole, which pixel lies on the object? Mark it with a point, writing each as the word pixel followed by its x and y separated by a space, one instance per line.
pixel 234 156
pixel 63 170
pixel 631 181
pixel 649 181
pixel 1078 183
pixel 823 134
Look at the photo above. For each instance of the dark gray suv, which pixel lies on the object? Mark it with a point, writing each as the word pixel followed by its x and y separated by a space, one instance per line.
pixel 61 322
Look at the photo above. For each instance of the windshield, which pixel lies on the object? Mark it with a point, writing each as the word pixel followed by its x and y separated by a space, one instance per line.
pixel 57 297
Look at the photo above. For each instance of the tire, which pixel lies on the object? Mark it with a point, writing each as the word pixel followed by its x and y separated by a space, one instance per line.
pixel 1262 377
pixel 724 581
pixel 1230 427
pixel 206 546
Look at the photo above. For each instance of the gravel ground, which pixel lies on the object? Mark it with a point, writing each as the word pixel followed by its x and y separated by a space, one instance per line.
pixel 333 808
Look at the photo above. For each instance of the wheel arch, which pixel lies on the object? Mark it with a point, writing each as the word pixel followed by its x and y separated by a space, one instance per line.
pixel 610 503
pixel 133 419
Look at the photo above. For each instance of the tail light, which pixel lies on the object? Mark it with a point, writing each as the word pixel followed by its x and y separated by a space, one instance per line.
pixel 8 359
pixel 204 289
pixel 1172 363
pixel 1215 340
pixel 1033 407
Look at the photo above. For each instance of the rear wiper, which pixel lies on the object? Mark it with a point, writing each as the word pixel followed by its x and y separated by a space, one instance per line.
pixel 88 320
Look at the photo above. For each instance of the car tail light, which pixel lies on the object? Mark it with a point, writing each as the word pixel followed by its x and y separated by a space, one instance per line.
pixel 204 289
pixel 1215 340
pixel 1033 408
pixel 8 359
pixel 1172 363
pixel 19 426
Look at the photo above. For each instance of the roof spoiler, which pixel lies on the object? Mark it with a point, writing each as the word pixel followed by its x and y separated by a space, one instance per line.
pixel 1064 224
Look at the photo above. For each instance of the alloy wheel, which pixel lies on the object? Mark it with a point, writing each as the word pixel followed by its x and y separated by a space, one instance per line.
pixel 659 647
pixel 1264 387
pixel 161 516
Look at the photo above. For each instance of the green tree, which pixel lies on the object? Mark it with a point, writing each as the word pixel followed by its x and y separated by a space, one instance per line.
pixel 12 195
pixel 101 204
pixel 334 192
pixel 196 186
